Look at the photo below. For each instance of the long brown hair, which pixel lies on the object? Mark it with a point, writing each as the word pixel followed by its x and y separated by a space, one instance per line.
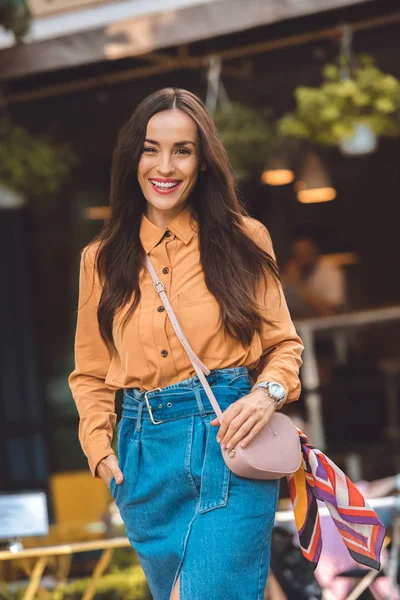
pixel 232 262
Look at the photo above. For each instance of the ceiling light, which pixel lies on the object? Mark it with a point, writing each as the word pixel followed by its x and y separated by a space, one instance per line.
pixel 314 183
pixel 277 172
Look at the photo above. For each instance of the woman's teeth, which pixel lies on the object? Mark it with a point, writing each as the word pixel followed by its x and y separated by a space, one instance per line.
pixel 164 185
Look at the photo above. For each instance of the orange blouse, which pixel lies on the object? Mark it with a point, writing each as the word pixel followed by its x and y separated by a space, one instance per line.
pixel 149 353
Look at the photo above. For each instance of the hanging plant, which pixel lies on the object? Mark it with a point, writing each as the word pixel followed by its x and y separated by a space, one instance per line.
pixel 246 136
pixel 31 165
pixel 330 114
pixel 15 16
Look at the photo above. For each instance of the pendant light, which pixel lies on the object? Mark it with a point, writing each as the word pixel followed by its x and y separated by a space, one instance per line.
pixel 314 184
pixel 277 172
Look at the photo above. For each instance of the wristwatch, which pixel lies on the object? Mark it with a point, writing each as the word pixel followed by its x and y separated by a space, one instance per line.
pixel 273 390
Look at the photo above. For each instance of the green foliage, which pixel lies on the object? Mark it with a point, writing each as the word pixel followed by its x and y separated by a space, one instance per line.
pixel 247 137
pixel 121 585
pixel 32 165
pixel 12 591
pixel 15 16
pixel 328 114
pixel 123 558
pixel 129 584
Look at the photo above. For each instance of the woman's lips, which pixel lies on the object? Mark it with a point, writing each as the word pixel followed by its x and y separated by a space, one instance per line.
pixel 164 191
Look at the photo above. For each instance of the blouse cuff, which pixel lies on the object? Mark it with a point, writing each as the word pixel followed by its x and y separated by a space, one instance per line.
pixel 97 449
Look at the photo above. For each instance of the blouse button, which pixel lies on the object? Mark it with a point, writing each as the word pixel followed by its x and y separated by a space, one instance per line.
pixel 165 270
pixel 164 352
pixel 167 233
pixel 161 308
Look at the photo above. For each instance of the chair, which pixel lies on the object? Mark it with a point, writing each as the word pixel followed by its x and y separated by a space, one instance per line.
pixel 78 497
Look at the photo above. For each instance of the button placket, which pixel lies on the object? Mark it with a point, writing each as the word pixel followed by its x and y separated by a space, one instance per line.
pixel 161 333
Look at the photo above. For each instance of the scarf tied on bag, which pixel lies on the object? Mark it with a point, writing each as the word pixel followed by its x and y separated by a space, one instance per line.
pixel 318 478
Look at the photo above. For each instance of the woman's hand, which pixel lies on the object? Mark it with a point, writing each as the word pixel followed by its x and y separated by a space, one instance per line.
pixel 109 467
pixel 243 419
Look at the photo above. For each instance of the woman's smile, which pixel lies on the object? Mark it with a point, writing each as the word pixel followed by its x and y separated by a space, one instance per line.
pixel 165 186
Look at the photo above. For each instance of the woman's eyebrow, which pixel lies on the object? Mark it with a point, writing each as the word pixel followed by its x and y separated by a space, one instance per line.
pixel 176 143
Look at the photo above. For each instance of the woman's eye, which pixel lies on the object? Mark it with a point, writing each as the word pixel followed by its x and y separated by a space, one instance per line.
pixel 150 150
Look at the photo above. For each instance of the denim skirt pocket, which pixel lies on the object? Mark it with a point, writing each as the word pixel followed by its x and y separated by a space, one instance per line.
pixel 215 473
pixel 128 455
pixel 216 477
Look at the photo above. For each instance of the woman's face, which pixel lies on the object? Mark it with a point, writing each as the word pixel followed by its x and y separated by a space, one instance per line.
pixel 170 160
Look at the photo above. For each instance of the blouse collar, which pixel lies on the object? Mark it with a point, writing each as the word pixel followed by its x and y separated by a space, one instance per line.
pixel 184 226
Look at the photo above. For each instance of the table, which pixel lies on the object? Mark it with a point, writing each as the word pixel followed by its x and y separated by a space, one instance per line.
pixel 42 556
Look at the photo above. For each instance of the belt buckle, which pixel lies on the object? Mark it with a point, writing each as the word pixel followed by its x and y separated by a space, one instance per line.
pixel 149 407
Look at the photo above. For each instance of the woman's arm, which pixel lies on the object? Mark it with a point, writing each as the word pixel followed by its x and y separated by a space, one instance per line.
pixel 282 347
pixel 280 361
pixel 94 399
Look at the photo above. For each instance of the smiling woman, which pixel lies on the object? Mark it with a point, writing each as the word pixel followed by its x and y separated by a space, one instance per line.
pixel 168 167
pixel 173 197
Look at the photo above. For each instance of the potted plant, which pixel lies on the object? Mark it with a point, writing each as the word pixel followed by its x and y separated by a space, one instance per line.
pixel 334 112
pixel 15 16
pixel 32 166
pixel 247 137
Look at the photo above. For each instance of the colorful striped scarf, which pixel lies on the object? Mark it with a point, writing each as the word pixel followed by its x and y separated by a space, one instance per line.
pixel 320 479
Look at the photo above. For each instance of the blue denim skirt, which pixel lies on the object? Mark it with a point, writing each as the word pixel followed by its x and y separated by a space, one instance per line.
pixel 185 512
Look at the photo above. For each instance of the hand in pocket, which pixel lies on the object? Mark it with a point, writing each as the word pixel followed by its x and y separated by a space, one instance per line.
pixel 109 467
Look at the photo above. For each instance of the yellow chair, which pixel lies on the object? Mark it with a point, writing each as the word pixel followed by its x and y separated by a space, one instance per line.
pixel 78 497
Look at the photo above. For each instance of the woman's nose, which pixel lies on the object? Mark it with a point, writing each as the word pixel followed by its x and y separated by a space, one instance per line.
pixel 165 166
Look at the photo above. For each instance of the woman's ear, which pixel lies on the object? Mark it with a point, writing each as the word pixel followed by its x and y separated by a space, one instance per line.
pixel 203 166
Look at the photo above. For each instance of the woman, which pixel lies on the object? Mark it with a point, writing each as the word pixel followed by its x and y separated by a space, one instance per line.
pixel 200 531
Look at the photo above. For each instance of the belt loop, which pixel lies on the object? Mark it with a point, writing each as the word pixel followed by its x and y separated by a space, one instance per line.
pixel 139 417
pixel 197 395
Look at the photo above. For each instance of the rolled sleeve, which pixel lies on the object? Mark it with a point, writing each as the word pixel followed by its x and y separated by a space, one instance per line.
pixel 94 399
pixel 282 348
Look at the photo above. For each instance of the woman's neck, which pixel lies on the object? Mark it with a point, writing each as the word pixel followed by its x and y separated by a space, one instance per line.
pixel 162 218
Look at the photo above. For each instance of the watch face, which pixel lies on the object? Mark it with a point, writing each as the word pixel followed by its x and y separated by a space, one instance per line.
pixel 277 390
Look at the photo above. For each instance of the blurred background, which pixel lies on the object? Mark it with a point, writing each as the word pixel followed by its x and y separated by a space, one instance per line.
pixel 306 96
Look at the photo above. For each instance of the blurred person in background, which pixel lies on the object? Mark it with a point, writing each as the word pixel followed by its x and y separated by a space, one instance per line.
pixel 173 198
pixel 312 286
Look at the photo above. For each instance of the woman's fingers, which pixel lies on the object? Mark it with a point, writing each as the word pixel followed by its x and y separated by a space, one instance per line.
pixel 114 468
pixel 240 419
pixel 119 477
pixel 229 414
pixel 237 434
pixel 109 468
pixel 252 433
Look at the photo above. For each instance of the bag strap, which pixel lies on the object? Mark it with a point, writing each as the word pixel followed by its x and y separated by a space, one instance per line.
pixel 199 367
